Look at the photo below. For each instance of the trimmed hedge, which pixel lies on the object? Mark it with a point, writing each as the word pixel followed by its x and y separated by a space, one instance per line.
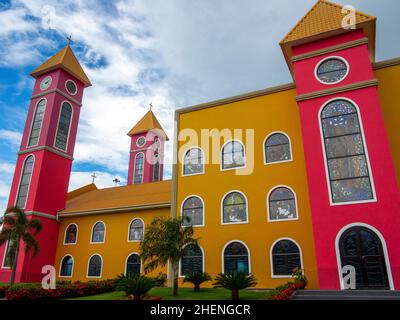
pixel 63 290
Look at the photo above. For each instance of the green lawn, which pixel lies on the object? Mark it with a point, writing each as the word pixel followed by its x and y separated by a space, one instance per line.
pixel 186 294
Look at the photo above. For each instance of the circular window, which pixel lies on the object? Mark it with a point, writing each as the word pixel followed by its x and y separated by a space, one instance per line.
pixel 71 87
pixel 332 70
pixel 141 141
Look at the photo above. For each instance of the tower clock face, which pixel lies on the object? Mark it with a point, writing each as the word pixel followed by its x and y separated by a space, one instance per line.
pixel 141 141
pixel 46 82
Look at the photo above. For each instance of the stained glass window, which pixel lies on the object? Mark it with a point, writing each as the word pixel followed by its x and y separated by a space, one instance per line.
pixel 282 204
pixel 37 123
pixel 349 175
pixel 133 264
pixel 70 234
pixel 98 233
pixel 233 155
pixel 192 260
pixel 234 208
pixel 136 230
pixel 277 148
pixel 63 126
pixel 192 212
pixel 285 258
pixel 193 162
pixel 332 70
pixel 156 167
pixel 139 165
pixel 67 264
pixel 25 182
pixel 236 258
pixel 95 264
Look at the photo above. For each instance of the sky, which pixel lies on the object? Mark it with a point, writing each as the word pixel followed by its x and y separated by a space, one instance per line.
pixel 173 53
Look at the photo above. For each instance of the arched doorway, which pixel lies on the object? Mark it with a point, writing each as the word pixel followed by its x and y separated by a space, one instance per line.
pixel 362 248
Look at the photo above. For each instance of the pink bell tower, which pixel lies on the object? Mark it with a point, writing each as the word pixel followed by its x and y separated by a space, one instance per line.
pixel 43 168
pixel 146 160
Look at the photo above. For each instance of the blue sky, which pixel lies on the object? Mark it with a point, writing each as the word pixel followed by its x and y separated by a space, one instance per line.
pixel 173 53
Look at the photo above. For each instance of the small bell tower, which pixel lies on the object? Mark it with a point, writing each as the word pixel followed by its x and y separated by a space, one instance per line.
pixel 146 160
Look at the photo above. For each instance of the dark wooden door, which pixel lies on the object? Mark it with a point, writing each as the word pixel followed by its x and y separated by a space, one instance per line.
pixel 362 248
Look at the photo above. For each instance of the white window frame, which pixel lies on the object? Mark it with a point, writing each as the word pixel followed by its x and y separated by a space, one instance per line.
pixel 4 257
pixel 272 260
pixel 105 232
pixel 69 129
pixel 73 264
pixel 65 234
pixel 223 254
pixel 203 171
pixel 204 209
pixel 134 166
pixel 265 153
pixel 129 229
pixel 20 180
pixel 221 153
pixel 101 267
pixel 66 89
pixel 126 262
pixel 32 121
pixel 180 275
pixel 295 200
pixel 222 208
pixel 329 58
pixel 371 176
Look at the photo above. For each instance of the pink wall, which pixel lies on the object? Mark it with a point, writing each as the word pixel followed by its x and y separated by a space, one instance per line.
pixel 329 220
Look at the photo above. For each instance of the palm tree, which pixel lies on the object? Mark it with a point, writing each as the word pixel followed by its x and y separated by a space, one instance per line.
pixel 234 281
pixel 17 227
pixel 164 242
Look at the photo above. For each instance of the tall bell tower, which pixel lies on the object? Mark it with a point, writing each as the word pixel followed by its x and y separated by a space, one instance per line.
pixel 43 167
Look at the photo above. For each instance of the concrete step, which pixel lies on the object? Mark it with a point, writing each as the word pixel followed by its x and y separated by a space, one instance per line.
pixel 346 295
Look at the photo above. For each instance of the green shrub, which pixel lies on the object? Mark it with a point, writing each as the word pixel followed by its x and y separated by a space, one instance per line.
pixel 160 279
pixel 285 291
pixel 197 279
pixel 235 281
pixel 134 284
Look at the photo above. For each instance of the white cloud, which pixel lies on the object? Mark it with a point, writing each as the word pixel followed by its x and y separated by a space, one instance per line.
pixel 11 137
pixel 103 180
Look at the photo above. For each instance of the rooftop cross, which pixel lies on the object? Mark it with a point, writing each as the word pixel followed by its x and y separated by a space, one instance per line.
pixel 69 39
pixel 94 176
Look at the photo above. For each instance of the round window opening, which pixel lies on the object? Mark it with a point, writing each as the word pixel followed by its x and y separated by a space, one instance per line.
pixel 332 70
pixel 71 87
pixel 141 141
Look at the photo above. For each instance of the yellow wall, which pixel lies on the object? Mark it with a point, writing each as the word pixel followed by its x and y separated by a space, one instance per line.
pixel 389 95
pixel 266 114
pixel 114 251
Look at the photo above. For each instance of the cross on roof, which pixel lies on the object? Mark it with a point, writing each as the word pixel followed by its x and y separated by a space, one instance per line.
pixel 94 176
pixel 69 39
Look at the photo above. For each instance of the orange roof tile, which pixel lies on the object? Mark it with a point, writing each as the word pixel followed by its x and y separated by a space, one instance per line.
pixel 80 191
pixel 119 198
pixel 65 59
pixel 148 122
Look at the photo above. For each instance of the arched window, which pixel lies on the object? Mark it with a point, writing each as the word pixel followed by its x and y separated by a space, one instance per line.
pixel 233 155
pixel 285 258
pixel 99 232
pixel 156 167
pixel 37 123
pixel 234 208
pixel 347 163
pixel 133 264
pixel 67 264
pixel 193 162
pixel 139 165
pixel 282 204
pixel 136 230
pixel 193 210
pixel 25 182
pixel 277 148
pixel 95 265
pixel 71 234
pixel 192 260
pixel 64 124
pixel 236 258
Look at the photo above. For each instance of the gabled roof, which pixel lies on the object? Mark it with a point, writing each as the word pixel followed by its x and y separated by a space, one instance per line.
pixel 147 123
pixel 117 199
pixel 323 20
pixel 65 59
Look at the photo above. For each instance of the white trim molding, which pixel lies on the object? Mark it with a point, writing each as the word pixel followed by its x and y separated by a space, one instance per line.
pixel 272 260
pixel 65 235
pixel 203 163
pixel 331 58
pixel 129 229
pixel 223 254
pixel 32 122
pixel 134 166
pixel 371 178
pixel 69 128
pixel 101 266
pixel 180 275
pixel 265 153
pixel 61 263
pixel 384 248
pixel 66 88
pixel 295 201
pixel 20 179
pixel 221 154
pixel 4 257
pixel 91 233
pixel 222 208
pixel 203 213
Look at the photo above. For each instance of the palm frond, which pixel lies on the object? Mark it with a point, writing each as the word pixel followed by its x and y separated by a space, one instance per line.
pixel 35 225
pixel 30 243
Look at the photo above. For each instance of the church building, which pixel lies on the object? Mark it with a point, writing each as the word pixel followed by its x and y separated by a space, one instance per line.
pixel 304 174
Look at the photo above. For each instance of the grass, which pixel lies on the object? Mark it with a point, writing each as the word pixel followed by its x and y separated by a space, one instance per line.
pixel 186 294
